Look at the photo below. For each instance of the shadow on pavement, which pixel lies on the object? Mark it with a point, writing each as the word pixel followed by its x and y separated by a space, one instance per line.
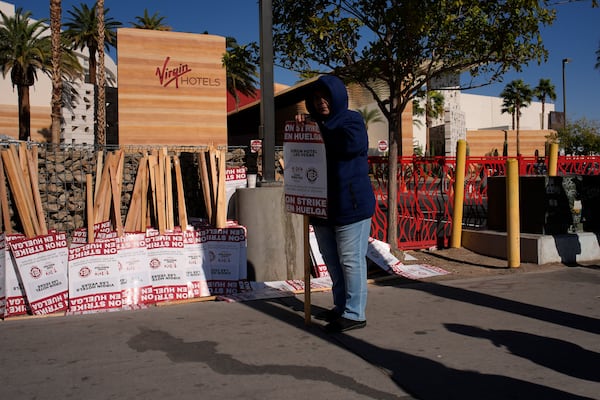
pixel 206 352
pixel 567 319
pixel 559 355
pixel 421 377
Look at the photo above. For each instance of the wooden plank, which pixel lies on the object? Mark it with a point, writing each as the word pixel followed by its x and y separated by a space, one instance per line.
pixel 32 157
pixel 144 223
pixel 181 207
pixel 4 202
pixel 160 200
pixel 89 206
pixel 214 181
pixel 221 215
pixel 169 194
pixel 25 185
pixel 116 199
pixel 152 164
pixel 17 190
pixel 206 191
pixel 102 191
pixel 133 219
pixel 99 168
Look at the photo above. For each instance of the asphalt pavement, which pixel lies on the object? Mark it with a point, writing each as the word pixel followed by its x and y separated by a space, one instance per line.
pixel 531 335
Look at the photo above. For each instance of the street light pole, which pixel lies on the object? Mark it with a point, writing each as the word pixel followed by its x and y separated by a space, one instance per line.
pixel 564 61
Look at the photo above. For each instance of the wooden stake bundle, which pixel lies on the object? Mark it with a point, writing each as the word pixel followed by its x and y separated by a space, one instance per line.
pixel 213 173
pixel 206 186
pixel 32 163
pixel 180 194
pixel 221 215
pixel 21 166
pixel 17 186
pixel 136 215
pixel 89 192
pixel 4 201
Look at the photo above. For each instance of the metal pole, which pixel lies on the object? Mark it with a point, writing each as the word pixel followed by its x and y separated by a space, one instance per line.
pixel 459 194
pixel 513 227
pixel 267 101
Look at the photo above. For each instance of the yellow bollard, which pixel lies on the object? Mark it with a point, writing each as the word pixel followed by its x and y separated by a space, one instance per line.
pixel 553 159
pixel 459 194
pixel 513 228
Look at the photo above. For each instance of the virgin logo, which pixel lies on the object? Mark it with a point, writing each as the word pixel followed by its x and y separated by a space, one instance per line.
pixel 167 74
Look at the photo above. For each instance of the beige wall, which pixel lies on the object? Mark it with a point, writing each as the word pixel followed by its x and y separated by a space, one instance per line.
pixel 482 142
pixel 172 88
pixel 9 121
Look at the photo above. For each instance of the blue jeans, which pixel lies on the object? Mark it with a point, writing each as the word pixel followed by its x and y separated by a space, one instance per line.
pixel 344 250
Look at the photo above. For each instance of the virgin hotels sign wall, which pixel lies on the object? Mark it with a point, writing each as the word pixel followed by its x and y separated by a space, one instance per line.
pixel 172 88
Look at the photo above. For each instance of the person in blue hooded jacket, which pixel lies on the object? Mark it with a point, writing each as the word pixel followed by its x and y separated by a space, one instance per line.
pixel 343 236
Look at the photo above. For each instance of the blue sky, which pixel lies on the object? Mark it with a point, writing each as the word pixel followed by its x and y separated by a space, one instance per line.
pixel 575 34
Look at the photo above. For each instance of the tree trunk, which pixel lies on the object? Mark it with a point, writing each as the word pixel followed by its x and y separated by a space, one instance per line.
pixel 101 98
pixel 55 22
pixel 518 139
pixel 24 112
pixel 543 113
pixel 395 139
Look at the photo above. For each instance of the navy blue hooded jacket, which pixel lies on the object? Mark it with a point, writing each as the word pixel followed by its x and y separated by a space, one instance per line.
pixel 350 195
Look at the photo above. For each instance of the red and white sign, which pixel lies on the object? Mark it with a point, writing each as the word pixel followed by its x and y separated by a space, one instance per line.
pixel 255 145
pixel 136 282
pixel 3 253
pixel 318 263
pixel 42 264
pixel 221 248
pixel 382 146
pixel 94 278
pixel 198 273
pixel 305 174
pixel 167 261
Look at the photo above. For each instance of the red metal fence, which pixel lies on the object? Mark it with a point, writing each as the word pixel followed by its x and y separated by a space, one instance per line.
pixel 425 193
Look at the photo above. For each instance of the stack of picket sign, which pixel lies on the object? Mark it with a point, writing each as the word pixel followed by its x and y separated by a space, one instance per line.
pixel 153 258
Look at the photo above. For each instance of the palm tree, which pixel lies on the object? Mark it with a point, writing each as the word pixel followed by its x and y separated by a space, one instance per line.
pixel 240 69
pixel 434 108
pixel 82 32
pixel 56 103
pixel 25 49
pixel 154 22
pixel 90 28
pixel 100 137
pixel 370 116
pixel 517 94
pixel 509 108
pixel 544 89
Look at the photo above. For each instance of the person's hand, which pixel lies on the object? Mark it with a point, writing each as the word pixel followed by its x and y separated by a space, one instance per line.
pixel 300 117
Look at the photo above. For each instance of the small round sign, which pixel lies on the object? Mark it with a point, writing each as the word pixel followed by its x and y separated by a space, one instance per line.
pixel 382 145
pixel 255 145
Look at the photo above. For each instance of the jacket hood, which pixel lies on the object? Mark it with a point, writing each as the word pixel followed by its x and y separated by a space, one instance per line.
pixel 338 92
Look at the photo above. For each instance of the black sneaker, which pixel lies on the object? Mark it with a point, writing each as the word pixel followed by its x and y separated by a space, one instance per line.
pixel 328 315
pixel 344 324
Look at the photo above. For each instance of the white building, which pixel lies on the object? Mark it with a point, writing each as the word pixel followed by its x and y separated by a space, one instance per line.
pixel 78 116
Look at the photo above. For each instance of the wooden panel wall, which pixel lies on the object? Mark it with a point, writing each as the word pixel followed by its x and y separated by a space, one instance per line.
pixel 482 142
pixel 40 119
pixel 172 88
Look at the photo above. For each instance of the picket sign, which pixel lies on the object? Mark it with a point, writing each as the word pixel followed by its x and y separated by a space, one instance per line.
pixel 167 262
pixel 136 281
pixel 318 264
pixel 42 267
pixel 94 279
pixel 13 287
pixel 2 273
pixel 198 273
